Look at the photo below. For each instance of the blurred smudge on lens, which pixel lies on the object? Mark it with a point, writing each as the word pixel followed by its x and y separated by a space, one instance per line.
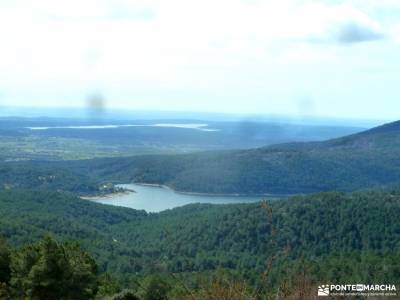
pixel 96 105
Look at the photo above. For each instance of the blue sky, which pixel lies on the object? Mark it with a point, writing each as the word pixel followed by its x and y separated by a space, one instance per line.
pixel 292 57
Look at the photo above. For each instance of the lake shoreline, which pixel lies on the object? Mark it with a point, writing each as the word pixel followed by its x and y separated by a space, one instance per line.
pixel 126 191
pixel 156 197
pixel 109 195
pixel 206 194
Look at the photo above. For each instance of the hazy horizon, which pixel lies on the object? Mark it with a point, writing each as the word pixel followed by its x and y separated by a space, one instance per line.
pixel 121 115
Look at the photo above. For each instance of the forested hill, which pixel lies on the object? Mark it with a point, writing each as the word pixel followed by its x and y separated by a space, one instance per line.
pixel 360 231
pixel 365 160
pixel 385 136
pixel 45 176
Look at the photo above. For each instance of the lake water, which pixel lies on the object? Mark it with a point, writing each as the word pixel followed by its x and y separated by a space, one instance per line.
pixel 155 199
pixel 196 126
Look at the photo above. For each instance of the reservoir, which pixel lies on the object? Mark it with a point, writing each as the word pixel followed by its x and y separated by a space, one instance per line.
pixel 156 199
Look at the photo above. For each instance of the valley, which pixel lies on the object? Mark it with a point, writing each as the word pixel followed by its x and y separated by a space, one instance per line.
pixel 189 217
pixel 199 150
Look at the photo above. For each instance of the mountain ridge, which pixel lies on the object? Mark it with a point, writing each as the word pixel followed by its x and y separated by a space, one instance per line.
pixel 360 161
pixel 365 160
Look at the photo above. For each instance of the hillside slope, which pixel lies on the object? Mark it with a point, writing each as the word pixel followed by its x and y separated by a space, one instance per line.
pixel 365 160
pixel 43 175
pixel 205 237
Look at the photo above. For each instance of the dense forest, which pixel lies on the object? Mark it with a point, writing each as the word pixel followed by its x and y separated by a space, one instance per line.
pixel 42 176
pixel 329 237
pixel 51 237
pixel 360 161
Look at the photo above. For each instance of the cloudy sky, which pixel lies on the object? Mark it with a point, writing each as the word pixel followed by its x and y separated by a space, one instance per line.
pixel 325 58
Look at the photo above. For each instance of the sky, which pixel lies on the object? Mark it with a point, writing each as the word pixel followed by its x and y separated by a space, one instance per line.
pixel 292 57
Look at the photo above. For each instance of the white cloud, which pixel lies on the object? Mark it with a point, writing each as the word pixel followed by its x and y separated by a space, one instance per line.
pixel 339 24
pixel 175 50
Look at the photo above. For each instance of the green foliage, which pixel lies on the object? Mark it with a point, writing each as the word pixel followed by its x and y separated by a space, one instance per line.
pixel 226 290
pixel 43 176
pixel 329 237
pixel 329 231
pixel 49 270
pixel 107 286
pixel 4 261
pixel 157 289
pixel 124 295
pixel 4 291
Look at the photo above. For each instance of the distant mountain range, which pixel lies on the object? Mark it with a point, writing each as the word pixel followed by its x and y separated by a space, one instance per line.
pixel 85 114
pixel 71 138
pixel 360 161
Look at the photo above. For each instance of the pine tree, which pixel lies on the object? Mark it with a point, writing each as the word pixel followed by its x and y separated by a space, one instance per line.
pixel 50 270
